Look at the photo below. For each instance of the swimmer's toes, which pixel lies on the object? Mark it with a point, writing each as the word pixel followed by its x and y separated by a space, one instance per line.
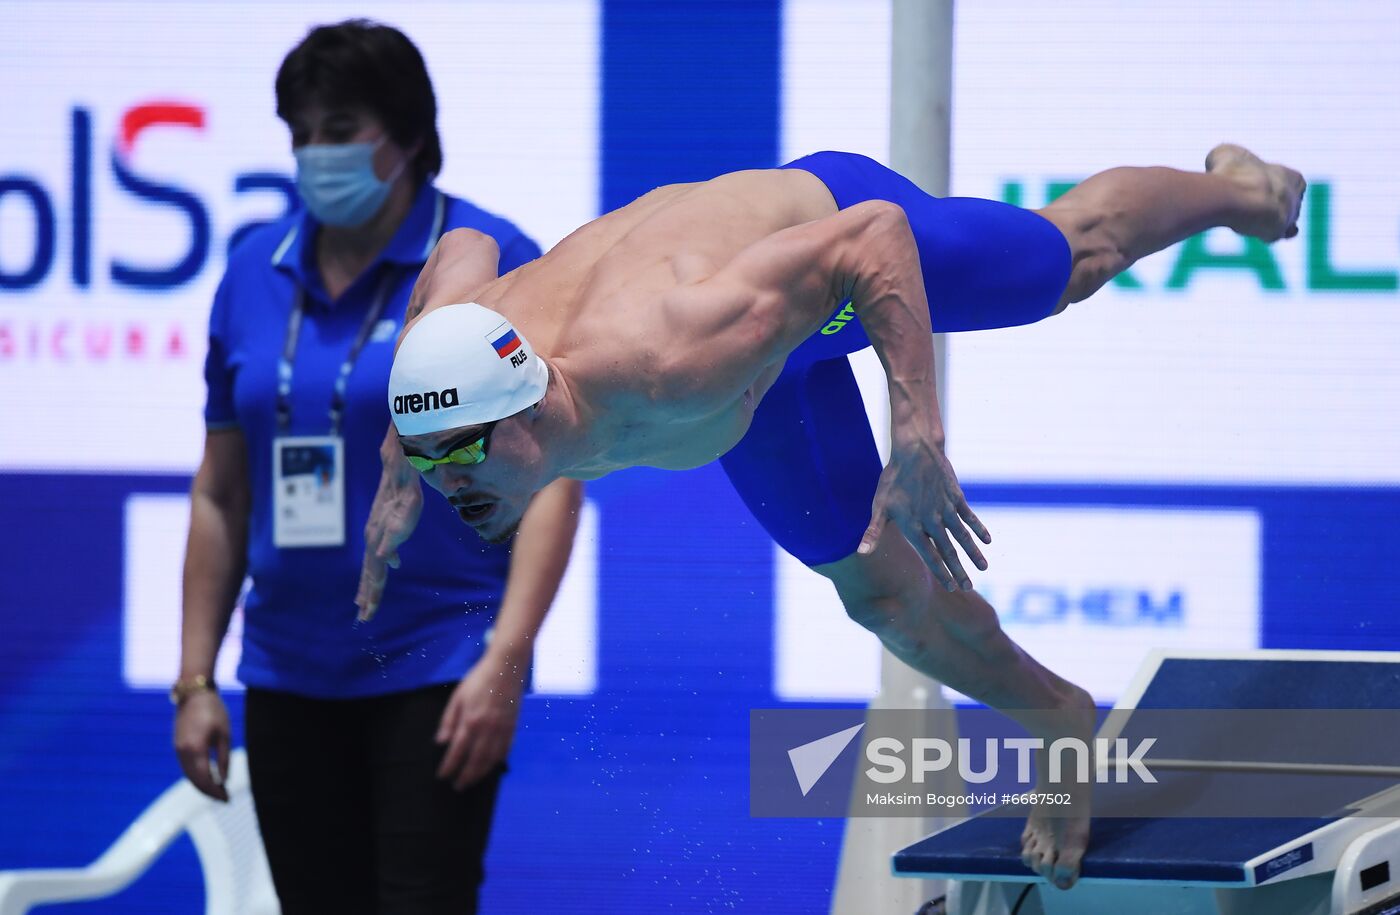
pixel 1232 157
pixel 1067 863
pixel 1032 852
pixel 1214 157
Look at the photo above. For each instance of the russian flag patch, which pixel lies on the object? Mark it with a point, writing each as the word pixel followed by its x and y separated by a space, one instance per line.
pixel 504 340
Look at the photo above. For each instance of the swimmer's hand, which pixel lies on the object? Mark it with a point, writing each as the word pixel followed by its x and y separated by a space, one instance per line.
pixel 397 506
pixel 202 731
pixel 919 492
pixel 478 725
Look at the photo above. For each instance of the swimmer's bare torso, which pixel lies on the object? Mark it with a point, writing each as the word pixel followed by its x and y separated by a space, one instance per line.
pixel 666 383
pixel 666 322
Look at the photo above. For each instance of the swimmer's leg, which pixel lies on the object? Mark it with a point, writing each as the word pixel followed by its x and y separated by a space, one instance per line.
pixel 807 468
pixel 955 638
pixel 985 264
pixel 1116 217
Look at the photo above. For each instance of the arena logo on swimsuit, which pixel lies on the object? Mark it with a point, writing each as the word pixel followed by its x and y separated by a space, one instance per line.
pixel 840 319
pixel 34 265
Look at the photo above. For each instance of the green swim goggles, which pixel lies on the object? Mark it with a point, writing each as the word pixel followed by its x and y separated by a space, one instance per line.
pixel 473 452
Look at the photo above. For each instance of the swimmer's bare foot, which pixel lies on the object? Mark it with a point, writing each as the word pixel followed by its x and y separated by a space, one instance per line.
pixel 1052 844
pixel 1277 190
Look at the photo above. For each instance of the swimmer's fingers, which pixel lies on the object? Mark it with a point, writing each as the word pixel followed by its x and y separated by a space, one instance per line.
pixel 926 527
pixel 872 533
pixel 965 512
pixel 487 752
pixel 955 517
pixel 923 544
pixel 476 728
pixel 380 557
pixel 456 735
pixel 889 505
pixel 954 577
pixel 373 575
pixel 953 521
pixel 459 747
pixel 879 514
pixel 374 572
pixel 392 519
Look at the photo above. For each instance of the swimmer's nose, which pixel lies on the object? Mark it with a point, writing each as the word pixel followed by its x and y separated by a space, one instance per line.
pixel 448 478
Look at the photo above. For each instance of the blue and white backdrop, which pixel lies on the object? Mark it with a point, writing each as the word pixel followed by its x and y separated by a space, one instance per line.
pixel 1205 455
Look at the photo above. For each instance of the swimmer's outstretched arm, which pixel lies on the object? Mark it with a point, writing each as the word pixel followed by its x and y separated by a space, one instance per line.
pixel 779 291
pixel 463 261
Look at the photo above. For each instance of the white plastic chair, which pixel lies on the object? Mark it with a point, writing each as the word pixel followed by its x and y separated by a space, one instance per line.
pixel 236 877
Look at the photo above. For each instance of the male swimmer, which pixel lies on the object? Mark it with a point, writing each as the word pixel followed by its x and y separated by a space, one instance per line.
pixel 712 320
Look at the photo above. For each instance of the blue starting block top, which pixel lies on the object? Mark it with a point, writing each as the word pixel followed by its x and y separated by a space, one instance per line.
pixel 1204 851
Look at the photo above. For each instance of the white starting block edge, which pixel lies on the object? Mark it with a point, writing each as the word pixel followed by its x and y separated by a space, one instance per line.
pixel 1355 842
pixel 1380 846
pixel 1346 847
pixel 1331 843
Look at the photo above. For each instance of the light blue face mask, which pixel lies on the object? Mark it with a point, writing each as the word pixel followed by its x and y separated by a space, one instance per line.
pixel 337 182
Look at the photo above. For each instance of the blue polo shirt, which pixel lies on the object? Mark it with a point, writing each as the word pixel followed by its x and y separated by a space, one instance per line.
pixel 300 632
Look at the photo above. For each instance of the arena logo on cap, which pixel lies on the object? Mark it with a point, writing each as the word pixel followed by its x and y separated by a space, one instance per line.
pixel 425 401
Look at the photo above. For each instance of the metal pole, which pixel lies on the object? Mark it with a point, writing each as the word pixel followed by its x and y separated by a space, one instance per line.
pixel 921 97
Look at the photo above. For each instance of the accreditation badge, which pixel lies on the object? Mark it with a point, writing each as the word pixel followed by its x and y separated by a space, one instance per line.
pixel 308 491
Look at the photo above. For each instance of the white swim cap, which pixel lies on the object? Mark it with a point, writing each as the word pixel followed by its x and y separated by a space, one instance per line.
pixel 462 365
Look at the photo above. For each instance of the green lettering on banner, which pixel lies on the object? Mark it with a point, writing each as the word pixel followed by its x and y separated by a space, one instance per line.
pixel 1321 273
pixel 1255 258
pixel 1013 193
pixel 1054 190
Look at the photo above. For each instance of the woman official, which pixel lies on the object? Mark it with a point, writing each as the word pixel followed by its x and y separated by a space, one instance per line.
pixel 375 748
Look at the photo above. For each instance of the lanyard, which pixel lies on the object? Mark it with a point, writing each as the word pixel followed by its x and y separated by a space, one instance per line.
pixel 289 350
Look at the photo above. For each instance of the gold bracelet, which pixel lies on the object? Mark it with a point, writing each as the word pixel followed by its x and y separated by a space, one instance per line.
pixel 182 689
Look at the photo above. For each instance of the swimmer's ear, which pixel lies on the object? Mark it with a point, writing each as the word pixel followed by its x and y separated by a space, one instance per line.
pixel 538 406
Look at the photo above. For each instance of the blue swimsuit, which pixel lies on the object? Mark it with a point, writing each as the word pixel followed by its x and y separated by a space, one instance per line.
pixel 807 468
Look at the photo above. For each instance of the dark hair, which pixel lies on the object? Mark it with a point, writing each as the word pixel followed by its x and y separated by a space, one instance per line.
pixel 369 66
